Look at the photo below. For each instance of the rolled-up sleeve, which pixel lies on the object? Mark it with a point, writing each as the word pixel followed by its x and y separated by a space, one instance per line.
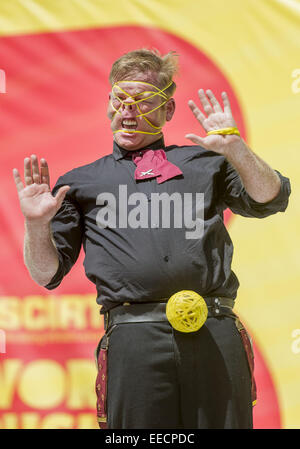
pixel 67 231
pixel 235 196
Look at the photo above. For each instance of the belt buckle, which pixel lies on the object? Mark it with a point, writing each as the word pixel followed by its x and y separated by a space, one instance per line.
pixel 186 311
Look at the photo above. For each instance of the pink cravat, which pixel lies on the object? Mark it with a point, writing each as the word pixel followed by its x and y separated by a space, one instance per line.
pixel 154 163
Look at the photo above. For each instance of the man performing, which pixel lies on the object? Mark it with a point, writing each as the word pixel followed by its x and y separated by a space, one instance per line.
pixel 150 219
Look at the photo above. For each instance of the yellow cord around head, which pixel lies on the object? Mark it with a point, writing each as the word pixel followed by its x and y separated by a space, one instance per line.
pixel 224 131
pixel 159 92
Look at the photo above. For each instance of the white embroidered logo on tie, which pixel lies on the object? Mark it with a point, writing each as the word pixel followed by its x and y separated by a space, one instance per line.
pixel 148 172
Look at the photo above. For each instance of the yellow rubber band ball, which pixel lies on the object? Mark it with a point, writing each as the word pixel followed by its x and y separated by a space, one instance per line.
pixel 186 311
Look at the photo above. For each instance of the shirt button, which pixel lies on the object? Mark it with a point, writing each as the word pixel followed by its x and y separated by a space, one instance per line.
pixel 166 258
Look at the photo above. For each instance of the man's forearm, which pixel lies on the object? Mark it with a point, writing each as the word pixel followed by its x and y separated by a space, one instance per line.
pixel 261 182
pixel 40 254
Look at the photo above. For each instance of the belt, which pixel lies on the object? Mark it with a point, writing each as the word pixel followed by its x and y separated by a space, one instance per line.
pixel 156 311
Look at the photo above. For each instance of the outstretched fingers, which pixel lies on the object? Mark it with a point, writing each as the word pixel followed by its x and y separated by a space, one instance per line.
pixel 226 103
pixel 197 113
pixel 35 169
pixel 45 177
pixel 35 174
pixel 27 172
pixel 210 106
pixel 214 101
pixel 207 107
pixel 18 180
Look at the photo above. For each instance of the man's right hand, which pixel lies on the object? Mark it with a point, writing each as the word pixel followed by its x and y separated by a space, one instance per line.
pixel 39 206
pixel 37 203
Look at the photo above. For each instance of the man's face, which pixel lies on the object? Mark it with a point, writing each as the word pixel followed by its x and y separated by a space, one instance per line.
pixel 128 120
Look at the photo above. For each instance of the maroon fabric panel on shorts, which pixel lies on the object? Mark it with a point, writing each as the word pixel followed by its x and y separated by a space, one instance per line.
pixel 250 356
pixel 101 388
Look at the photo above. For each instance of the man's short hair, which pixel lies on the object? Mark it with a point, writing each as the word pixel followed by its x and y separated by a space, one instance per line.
pixel 160 69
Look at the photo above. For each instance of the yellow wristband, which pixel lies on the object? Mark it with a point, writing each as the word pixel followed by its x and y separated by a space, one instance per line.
pixel 232 130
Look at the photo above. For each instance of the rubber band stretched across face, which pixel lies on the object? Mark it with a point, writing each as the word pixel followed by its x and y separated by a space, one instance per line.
pixel 159 92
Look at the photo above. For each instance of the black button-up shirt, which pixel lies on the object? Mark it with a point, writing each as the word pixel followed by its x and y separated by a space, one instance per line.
pixel 147 259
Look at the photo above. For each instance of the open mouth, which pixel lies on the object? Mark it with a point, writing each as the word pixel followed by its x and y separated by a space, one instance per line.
pixel 129 124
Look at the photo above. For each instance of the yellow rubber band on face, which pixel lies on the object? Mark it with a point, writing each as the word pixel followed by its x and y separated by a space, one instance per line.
pixel 224 131
pixel 152 110
pixel 159 92
pixel 135 131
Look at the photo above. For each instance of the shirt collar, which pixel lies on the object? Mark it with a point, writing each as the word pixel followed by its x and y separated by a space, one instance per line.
pixel 120 153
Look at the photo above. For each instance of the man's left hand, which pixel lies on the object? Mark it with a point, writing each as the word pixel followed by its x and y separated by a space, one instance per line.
pixel 213 118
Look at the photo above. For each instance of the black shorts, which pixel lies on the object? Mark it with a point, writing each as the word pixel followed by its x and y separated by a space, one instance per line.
pixel 159 378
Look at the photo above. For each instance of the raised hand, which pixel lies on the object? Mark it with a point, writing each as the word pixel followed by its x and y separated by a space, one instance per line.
pixel 213 118
pixel 36 200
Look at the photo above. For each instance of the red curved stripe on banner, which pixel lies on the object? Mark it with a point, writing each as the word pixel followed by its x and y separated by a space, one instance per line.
pixel 266 413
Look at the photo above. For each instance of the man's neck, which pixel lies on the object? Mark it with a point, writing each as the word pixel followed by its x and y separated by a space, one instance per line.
pixel 120 152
